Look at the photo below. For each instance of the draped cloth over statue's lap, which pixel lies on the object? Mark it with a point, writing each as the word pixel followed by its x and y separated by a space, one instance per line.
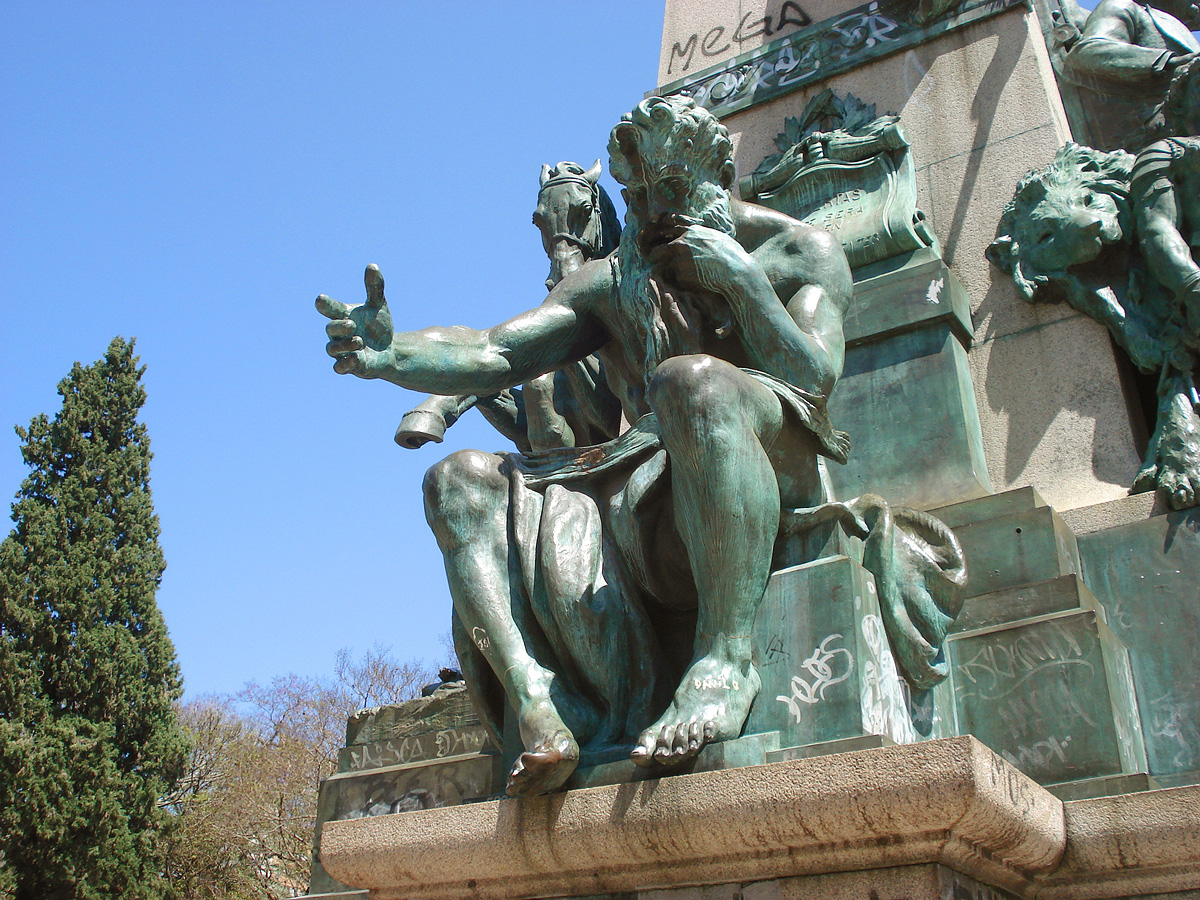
pixel 595 559
pixel 592 533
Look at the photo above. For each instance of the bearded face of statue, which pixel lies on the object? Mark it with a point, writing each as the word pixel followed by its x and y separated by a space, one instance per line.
pixel 674 160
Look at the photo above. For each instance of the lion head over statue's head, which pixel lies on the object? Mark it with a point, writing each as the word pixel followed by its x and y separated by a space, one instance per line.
pixel 1063 216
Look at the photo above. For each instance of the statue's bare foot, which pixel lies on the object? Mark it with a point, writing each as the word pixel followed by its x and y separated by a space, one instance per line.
pixel 545 767
pixel 1179 453
pixel 711 704
pixel 552 755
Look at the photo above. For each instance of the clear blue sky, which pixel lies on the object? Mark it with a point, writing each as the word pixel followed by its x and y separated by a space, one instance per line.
pixel 194 174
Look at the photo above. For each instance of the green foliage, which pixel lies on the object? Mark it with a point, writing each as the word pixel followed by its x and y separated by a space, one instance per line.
pixel 88 737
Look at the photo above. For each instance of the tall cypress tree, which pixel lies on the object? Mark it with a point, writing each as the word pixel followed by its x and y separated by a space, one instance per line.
pixel 88 737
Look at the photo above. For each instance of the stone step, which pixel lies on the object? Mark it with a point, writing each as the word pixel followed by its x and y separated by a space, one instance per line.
pixel 992 506
pixel 985 612
pixel 1016 549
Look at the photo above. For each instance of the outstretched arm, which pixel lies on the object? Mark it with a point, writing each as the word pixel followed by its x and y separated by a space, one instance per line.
pixel 458 360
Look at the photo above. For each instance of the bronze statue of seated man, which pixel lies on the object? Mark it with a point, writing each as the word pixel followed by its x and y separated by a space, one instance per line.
pixel 608 593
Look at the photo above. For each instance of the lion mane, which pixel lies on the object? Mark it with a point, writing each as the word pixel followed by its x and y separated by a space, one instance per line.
pixel 1038 199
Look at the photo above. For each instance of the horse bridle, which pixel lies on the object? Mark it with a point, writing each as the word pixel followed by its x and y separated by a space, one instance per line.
pixel 590 250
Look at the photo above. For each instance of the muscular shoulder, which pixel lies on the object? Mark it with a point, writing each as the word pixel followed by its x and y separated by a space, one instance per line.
pixel 1115 18
pixel 791 252
pixel 757 226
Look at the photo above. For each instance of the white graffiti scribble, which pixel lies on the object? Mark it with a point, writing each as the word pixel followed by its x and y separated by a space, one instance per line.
pixel 884 694
pixel 820 665
pixel 865 29
pixel 1174 726
pixel 1038 755
pixel 996 670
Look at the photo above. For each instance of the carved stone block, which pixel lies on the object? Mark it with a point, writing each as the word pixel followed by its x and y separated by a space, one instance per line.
pixel 392 789
pixel 909 407
pixel 1147 575
pixel 1017 549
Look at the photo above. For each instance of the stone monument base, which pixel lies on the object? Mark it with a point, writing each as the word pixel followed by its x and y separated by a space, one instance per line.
pixel 940 819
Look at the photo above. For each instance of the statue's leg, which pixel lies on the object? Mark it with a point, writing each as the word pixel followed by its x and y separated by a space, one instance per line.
pixel 466 504
pixel 721 429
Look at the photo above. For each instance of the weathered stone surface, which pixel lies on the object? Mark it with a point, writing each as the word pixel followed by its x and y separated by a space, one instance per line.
pixel 926 882
pixel 1113 513
pixel 1147 575
pixel 822 50
pixel 1053 695
pixel 1069 431
pixel 827 670
pixel 950 801
pixel 1129 845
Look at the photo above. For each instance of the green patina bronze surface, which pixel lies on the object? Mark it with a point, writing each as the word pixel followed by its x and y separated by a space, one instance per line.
pixel 1017 549
pixel 1122 56
pixel 827 668
pixel 1059 594
pixel 937 454
pixel 1147 575
pixel 843 168
pixel 922 291
pixel 608 593
pixel 1051 694
pixel 1115 237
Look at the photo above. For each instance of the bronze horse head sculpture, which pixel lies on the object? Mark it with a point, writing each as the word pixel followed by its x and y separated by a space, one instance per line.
pixel 576 218
pixel 574 406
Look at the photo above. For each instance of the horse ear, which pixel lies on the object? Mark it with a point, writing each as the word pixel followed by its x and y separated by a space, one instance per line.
pixel 593 174
pixel 545 175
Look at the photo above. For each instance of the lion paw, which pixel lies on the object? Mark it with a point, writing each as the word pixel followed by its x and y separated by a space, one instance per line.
pixel 1179 454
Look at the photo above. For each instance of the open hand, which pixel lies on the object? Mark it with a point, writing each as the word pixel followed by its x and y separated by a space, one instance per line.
pixel 360 337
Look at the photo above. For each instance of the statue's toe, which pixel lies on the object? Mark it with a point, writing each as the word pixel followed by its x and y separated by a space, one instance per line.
pixel 544 768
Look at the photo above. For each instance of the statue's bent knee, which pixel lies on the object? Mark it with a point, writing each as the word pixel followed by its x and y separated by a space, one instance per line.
pixel 687 389
pixel 467 485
